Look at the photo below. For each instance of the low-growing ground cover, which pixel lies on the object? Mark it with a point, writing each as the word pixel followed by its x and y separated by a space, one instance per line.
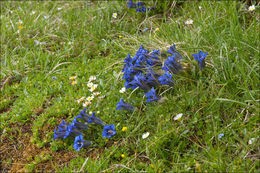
pixel 207 121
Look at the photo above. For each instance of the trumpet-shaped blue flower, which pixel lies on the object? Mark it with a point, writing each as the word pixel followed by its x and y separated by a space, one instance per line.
pixel 96 120
pixel 80 143
pixel 60 133
pixel 171 65
pixel 151 96
pixel 166 79
pixel 140 81
pixel 141 9
pixel 139 4
pixel 174 52
pixel 200 58
pixel 78 124
pixel 130 4
pixel 71 131
pixel 109 131
pixel 123 105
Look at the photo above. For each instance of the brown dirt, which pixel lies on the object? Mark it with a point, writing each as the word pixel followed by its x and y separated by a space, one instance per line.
pixel 22 152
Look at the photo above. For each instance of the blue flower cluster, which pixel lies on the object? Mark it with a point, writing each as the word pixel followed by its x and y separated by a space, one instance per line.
pixel 139 71
pixel 146 71
pixel 200 58
pixel 79 124
pixel 139 6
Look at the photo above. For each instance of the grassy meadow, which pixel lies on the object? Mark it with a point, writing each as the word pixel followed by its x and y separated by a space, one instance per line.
pixel 44 44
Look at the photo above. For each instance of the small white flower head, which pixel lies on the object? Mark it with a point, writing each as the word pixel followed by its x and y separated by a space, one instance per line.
pixel 32 13
pixel 89 99
pixel 96 94
pixel 251 8
pixel 90 112
pixel 98 112
pixel 178 116
pixel 86 104
pixel 69 43
pixel 46 17
pixel 82 99
pixel 251 141
pixel 200 7
pixel 122 90
pixel 90 84
pixel 59 8
pixel 114 15
pixel 189 22
pixel 92 78
pixel 93 88
pixel 145 135
pixel 20 21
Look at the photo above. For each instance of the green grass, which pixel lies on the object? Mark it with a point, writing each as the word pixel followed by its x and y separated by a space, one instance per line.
pixel 82 39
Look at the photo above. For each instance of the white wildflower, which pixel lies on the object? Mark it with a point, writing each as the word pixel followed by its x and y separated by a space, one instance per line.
pixel 145 135
pixel 251 8
pixel 189 22
pixel 92 78
pixel 89 99
pixel 86 104
pixel 178 116
pixel 81 99
pixel 90 84
pixel 251 141
pixel 96 94
pixel 114 15
pixel 93 88
pixel 122 90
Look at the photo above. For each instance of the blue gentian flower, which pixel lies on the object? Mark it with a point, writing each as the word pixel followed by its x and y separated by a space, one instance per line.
pixel 140 81
pixel 141 9
pixel 171 65
pixel 126 106
pixel 63 125
pixel 95 120
pixel 128 59
pixel 174 52
pixel 60 133
pixel 151 78
pixel 200 58
pixel 139 4
pixel 166 79
pixel 151 96
pixel 220 135
pixel 156 52
pixel 130 4
pixel 83 115
pixel 79 143
pixel 54 78
pixel 141 51
pixel 72 131
pixel 109 131
pixel 78 124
